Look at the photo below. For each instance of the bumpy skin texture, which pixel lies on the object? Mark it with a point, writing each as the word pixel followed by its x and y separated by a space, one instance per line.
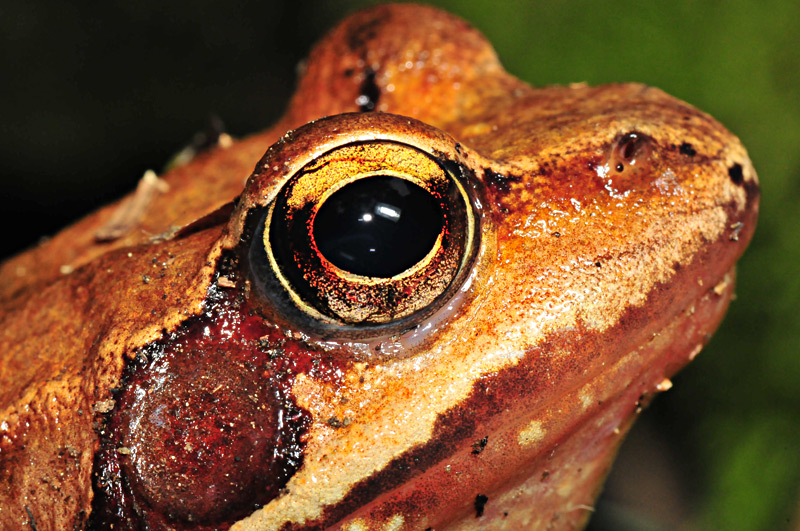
pixel 591 287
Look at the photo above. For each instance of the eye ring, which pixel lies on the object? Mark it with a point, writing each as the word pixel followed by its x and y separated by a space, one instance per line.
pixel 335 297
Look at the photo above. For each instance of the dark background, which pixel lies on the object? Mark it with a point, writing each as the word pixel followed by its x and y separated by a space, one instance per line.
pixel 92 96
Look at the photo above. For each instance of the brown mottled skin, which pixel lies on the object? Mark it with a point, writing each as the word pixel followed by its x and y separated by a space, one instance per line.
pixel 591 287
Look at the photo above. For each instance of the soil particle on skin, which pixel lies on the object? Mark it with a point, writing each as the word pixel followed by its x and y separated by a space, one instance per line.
pixel 480 504
pixel 478 446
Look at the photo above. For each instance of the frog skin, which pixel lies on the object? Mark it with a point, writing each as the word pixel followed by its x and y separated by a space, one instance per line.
pixel 184 359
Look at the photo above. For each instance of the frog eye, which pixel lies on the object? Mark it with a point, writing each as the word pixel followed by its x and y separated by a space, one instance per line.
pixel 366 235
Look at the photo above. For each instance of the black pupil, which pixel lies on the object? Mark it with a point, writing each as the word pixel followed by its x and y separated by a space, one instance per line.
pixel 377 226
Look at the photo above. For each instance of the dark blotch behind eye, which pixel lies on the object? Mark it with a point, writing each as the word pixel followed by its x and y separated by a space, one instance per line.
pixel 736 174
pixel 378 226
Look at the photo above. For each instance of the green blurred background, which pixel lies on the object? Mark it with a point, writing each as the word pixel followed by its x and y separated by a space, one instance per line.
pixel 94 95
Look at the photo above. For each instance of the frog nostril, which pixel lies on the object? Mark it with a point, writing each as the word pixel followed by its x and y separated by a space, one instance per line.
pixel 630 154
pixel 631 145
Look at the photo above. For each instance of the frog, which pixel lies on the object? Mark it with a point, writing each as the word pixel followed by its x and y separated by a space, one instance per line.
pixel 430 297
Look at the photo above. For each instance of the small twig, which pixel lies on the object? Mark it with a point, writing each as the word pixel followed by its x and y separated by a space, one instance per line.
pixel 31 519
